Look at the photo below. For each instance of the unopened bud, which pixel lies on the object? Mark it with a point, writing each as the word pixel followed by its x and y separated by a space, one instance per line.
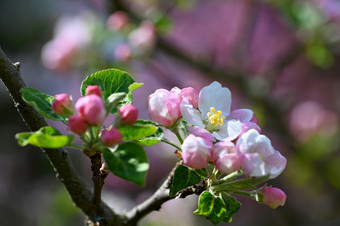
pixel 273 197
pixel 128 114
pixel 111 137
pixel 91 109
pixel 77 124
pixel 93 90
pixel 63 105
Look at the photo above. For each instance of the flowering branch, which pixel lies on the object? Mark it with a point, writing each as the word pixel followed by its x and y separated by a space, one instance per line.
pixel 59 158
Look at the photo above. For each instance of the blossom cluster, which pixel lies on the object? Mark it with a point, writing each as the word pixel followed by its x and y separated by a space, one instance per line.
pixel 91 112
pixel 229 140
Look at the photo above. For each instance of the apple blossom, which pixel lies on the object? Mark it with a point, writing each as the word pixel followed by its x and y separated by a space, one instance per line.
pixel 128 114
pixel 164 106
pixel 77 124
pixel 93 90
pixel 196 151
pixel 213 112
pixel 62 105
pixel 111 137
pixel 273 197
pixel 227 157
pixel 260 158
pixel 91 109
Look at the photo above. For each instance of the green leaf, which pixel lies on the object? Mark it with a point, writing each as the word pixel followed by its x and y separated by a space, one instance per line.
pixel 241 184
pixel 232 206
pixel 128 161
pixel 135 85
pixel 41 102
pixel 212 207
pixel 46 137
pixel 201 172
pixel 183 178
pixel 153 139
pixel 111 81
pixel 139 130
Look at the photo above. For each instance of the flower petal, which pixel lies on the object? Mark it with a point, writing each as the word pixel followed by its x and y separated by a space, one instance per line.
pixel 244 115
pixel 275 164
pixel 200 132
pixel 215 96
pixel 253 165
pixel 191 115
pixel 229 131
pixel 252 141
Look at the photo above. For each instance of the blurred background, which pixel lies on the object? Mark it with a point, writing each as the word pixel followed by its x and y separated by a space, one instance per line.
pixel 280 58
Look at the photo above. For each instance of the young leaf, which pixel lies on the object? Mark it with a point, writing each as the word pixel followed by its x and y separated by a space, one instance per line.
pixel 113 100
pixel 110 81
pixel 46 137
pixel 153 139
pixel 241 184
pixel 41 102
pixel 139 130
pixel 135 85
pixel 183 178
pixel 212 207
pixel 128 161
pixel 232 206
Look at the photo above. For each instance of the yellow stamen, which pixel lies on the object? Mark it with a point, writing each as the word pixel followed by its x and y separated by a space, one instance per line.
pixel 214 119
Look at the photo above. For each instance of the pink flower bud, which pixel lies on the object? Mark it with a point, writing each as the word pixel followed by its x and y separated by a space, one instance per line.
pixel 93 90
pixel 91 109
pixel 111 137
pixel 191 95
pixel 128 114
pixel 226 157
pixel 63 105
pixel 77 124
pixel 273 197
pixel 164 107
pixel 117 21
pixel 196 152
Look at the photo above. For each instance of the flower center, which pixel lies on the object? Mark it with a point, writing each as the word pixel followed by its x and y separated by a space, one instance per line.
pixel 214 119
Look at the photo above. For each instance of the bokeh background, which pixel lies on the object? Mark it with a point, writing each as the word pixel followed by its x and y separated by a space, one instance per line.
pixel 279 57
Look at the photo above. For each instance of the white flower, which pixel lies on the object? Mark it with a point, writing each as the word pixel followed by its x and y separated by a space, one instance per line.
pixel 213 113
pixel 260 158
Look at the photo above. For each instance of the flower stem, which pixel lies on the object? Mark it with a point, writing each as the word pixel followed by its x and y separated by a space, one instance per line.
pixel 180 139
pixel 169 142
pixel 231 176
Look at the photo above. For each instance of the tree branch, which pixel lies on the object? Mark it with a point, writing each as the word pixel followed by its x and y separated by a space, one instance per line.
pixel 155 201
pixel 152 203
pixel 59 158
